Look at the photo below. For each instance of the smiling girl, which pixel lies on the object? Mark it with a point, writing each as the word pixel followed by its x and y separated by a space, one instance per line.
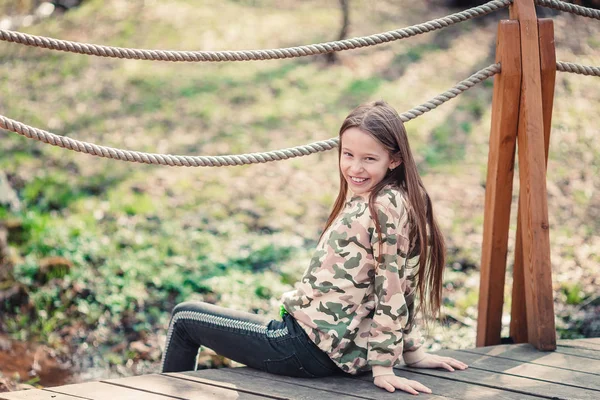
pixel 354 308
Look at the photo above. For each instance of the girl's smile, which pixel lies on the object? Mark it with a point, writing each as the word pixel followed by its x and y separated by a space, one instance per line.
pixel 358 181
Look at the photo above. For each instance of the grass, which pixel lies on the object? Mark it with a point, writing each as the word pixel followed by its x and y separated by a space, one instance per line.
pixel 360 89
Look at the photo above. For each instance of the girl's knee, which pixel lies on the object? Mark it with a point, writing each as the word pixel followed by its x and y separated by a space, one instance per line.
pixel 188 306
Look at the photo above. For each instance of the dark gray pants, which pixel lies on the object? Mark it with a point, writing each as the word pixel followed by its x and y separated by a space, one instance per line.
pixel 279 347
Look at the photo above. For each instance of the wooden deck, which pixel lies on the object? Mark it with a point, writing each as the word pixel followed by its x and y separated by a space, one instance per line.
pixel 495 372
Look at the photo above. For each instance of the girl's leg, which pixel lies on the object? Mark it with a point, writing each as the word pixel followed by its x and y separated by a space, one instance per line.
pixel 279 347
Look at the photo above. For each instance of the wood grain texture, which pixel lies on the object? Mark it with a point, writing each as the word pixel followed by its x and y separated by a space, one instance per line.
pixel 588 343
pixel 518 305
pixel 509 386
pixel 575 380
pixel 182 389
pixel 518 320
pixel 36 394
pixel 101 391
pixel 339 384
pixel 266 384
pixel 548 74
pixel 533 195
pixel 498 190
pixel 579 352
pixel 527 353
pixel 457 385
pixel 498 372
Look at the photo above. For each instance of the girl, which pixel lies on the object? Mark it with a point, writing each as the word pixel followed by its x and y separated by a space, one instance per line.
pixel 354 309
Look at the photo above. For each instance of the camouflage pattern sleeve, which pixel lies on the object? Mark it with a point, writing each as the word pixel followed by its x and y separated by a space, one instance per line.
pixel 413 340
pixel 391 314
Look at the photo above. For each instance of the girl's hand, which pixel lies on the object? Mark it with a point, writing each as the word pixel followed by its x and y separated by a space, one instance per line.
pixel 435 361
pixel 393 382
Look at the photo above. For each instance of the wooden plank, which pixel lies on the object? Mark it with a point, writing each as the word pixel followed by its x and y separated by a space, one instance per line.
pixel 506 383
pixel 361 388
pixel 102 390
pixel 498 190
pixel 518 320
pixel 579 352
pixel 534 374
pixel 545 373
pixel 454 385
pixel 588 343
pixel 527 353
pixel 263 385
pixel 36 394
pixel 533 194
pixel 181 389
pixel 592 341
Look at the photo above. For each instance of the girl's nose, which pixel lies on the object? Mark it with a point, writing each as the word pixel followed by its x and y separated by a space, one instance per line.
pixel 357 167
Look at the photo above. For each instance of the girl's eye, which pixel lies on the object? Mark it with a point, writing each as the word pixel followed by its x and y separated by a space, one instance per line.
pixel 347 154
pixel 370 159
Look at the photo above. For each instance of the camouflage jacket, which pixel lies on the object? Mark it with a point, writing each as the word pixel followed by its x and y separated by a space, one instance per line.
pixel 359 312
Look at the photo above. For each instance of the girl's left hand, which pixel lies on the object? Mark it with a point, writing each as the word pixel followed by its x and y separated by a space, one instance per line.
pixel 435 361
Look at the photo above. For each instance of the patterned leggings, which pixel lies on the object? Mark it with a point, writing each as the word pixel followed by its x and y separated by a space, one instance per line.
pixel 278 347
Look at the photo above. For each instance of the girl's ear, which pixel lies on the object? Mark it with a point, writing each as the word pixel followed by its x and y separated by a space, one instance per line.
pixel 394 163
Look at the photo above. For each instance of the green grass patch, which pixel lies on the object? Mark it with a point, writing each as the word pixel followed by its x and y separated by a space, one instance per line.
pixel 270 75
pixel 573 292
pixel 57 190
pixel 443 147
pixel 476 107
pixel 402 61
pixel 360 90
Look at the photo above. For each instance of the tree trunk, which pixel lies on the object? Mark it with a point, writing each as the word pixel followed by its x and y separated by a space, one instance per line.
pixel 344 4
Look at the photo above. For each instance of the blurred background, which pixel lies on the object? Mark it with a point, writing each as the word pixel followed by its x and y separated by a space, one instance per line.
pixel 95 253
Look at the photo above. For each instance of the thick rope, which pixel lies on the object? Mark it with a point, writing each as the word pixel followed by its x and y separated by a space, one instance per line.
pixel 460 87
pixel 219 161
pixel 577 68
pixel 248 55
pixel 568 7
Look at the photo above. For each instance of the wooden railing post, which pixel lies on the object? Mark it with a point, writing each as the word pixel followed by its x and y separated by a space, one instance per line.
pixel 498 191
pixel 518 314
pixel 534 226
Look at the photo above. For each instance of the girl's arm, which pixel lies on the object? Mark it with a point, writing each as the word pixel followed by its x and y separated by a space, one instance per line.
pixel 387 336
pixel 414 355
pixel 393 330
pixel 413 351
pixel 391 312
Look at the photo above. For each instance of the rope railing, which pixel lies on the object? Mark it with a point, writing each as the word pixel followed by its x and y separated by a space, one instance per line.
pixel 459 88
pixel 251 55
pixel 227 160
pixel 571 8
pixel 577 68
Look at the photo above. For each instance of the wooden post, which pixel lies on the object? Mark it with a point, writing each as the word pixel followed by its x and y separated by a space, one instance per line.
pixel 548 69
pixel 498 190
pixel 518 310
pixel 533 195
pixel 518 319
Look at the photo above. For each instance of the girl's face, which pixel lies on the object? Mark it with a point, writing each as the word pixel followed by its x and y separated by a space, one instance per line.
pixel 364 161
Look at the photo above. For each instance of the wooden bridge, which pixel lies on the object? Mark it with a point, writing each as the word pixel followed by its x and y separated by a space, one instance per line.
pixel 495 372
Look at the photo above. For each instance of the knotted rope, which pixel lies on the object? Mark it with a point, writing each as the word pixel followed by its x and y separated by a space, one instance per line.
pixel 227 160
pixel 577 68
pixel 571 8
pixel 251 55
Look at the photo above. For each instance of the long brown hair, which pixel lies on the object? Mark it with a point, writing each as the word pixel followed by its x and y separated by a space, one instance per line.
pixel 383 123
